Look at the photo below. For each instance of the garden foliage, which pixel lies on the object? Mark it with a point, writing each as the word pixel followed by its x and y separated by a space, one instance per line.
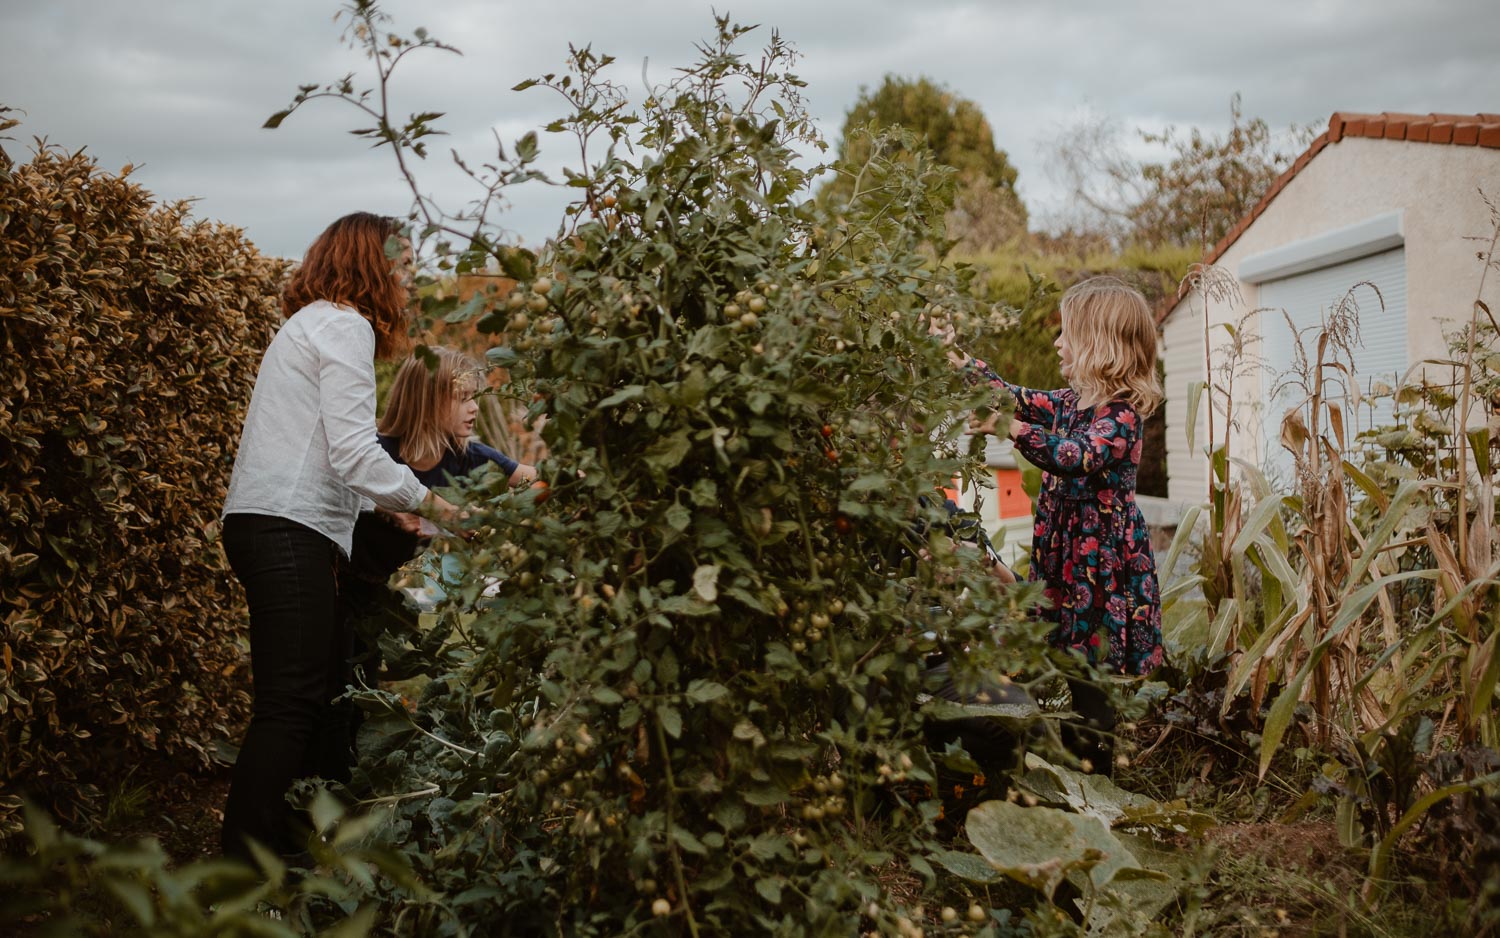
pixel 1356 606
pixel 68 885
pixel 131 336
pixel 687 682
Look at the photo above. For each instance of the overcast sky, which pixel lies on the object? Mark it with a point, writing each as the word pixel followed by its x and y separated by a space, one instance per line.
pixel 181 87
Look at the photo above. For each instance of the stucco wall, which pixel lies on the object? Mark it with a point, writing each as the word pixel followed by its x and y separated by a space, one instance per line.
pixel 1435 187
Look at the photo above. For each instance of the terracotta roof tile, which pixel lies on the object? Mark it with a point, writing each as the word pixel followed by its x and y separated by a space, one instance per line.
pixel 1455 129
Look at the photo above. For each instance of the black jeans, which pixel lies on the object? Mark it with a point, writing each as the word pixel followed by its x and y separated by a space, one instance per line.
pixel 300 647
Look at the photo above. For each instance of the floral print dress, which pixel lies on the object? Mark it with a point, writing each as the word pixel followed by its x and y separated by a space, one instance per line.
pixel 1090 545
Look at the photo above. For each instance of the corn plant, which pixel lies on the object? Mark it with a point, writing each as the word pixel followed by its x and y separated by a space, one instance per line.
pixel 1366 593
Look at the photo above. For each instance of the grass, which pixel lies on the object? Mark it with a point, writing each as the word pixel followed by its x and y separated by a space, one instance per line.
pixel 1295 880
pixel 128 801
pixel 1275 865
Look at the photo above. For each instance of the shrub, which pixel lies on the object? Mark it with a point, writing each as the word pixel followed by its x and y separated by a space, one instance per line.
pixel 131 336
pixel 685 688
pixel 68 885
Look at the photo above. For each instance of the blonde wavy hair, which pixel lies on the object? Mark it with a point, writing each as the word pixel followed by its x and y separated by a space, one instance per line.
pixel 1112 336
pixel 419 408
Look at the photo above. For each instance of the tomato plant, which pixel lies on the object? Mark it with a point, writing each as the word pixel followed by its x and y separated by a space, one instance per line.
pixel 641 690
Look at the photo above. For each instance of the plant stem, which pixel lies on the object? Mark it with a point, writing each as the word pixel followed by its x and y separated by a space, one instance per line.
pixel 666 761
pixel 1465 402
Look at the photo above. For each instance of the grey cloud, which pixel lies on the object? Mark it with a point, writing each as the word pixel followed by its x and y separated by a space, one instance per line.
pixel 183 87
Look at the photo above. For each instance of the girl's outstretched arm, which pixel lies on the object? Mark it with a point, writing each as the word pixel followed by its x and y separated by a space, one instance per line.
pixel 1110 439
pixel 1032 406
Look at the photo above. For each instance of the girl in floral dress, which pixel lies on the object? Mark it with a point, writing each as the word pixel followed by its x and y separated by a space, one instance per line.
pixel 1090 545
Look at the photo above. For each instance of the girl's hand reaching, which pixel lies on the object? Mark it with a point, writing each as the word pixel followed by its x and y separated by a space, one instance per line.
pixel 943 328
pixel 990 425
pixel 983 425
pixel 1002 573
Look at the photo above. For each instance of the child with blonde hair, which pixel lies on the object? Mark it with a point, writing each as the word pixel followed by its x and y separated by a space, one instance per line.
pixel 1090 544
pixel 428 426
pixel 429 421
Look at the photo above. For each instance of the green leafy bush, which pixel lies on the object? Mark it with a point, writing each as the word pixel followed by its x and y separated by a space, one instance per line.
pixel 69 885
pixel 131 337
pixel 686 687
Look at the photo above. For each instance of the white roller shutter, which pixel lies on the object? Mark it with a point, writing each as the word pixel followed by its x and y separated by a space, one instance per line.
pixel 1380 357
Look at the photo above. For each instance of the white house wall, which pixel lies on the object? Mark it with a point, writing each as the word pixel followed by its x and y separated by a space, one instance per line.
pixel 1182 358
pixel 1436 189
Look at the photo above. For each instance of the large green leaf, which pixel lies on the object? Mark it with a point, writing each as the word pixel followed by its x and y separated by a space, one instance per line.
pixel 1194 397
pixel 1186 529
pixel 1479 445
pixel 1041 846
pixel 967 866
pixel 936 708
pixel 1100 797
pixel 667 452
pixel 1266 511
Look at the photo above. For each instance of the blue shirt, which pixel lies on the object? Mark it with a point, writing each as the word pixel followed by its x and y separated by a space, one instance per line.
pixel 455 464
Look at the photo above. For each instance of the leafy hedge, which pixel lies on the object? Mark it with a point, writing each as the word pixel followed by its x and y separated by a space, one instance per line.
pixel 131 336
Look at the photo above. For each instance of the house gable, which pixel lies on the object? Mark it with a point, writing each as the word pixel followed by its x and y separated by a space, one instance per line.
pixel 1364 197
pixel 1481 130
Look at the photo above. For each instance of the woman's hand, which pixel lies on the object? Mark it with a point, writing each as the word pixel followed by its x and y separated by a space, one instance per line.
pixel 405 520
pixel 443 510
pixel 448 515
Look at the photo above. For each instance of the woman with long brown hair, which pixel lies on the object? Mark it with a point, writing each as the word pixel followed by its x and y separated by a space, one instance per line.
pixel 308 456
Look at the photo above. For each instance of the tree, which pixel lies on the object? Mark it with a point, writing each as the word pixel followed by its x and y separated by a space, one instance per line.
pixel 133 332
pixel 1209 183
pixel 985 210
pixel 1192 198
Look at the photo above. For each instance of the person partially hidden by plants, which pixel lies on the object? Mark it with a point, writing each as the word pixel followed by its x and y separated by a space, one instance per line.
pixel 1090 546
pixel 429 421
pixel 428 426
pixel 308 455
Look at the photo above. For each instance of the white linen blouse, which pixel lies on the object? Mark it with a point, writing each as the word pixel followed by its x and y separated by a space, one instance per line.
pixel 308 451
